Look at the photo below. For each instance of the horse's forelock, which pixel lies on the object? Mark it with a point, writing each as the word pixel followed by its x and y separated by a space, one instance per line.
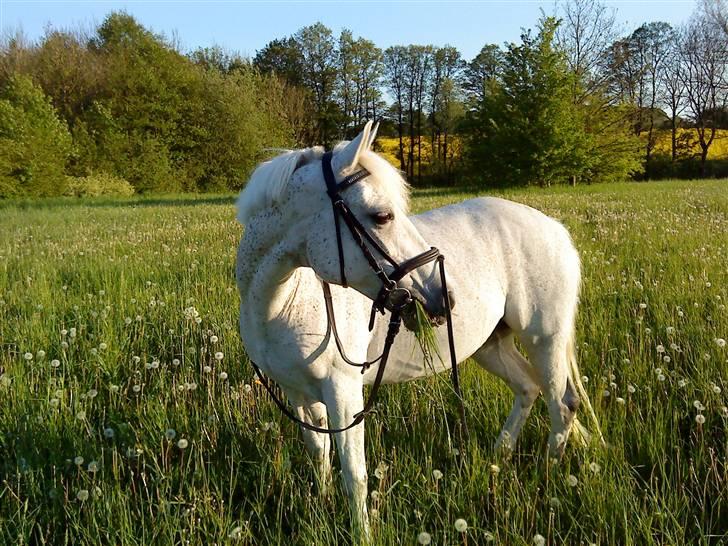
pixel 389 179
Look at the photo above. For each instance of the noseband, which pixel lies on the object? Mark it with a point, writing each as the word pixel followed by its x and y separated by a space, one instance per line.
pixel 390 296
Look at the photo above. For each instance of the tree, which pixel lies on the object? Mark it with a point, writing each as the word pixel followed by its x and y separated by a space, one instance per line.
pixel 395 70
pixel 705 78
pixel 445 102
pixel 482 72
pixel 283 58
pixel 34 143
pixel 671 77
pixel 360 71
pixel 319 57
pixel 528 131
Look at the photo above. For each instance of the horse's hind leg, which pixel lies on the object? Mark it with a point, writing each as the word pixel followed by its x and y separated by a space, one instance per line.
pixel 318 444
pixel 550 356
pixel 500 357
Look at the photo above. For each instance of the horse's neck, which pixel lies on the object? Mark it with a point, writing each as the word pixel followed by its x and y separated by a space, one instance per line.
pixel 267 266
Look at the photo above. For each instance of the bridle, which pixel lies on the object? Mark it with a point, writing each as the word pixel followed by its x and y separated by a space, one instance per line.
pixel 390 296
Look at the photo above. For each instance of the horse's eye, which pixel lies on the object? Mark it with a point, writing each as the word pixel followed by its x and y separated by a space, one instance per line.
pixel 381 218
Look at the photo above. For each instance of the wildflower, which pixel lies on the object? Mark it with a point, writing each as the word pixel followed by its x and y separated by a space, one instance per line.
pixel 461 525
pixel 424 538
pixel 648 331
pixel 658 371
pixel 206 369
pixel 55 363
pixel 661 377
pixel 488 537
pixel 572 480
pixel 114 388
pixel 437 475
pixel 670 330
pixel 218 355
pixel 213 339
pixel 631 389
pixel 643 306
pixel 109 432
pixel 92 393
pixel 538 540
pixel 40 354
pixel 381 470
pixel 127 321
pixel 93 466
pixel 54 402
pixel 700 418
pixel 720 342
pixel 554 503
pixel 78 461
pixel 495 469
pixel 666 359
pixel 594 467
pixel 660 349
pixel 375 495
pixel 28 356
pixel 620 401
pixel 175 361
pixel 223 376
pixel 170 433
pixel 182 443
pixel 247 388
pixel 681 383
pixel 236 533
pixel 81 415
pixel 82 495
pixel 103 346
pixel 64 345
pixel 698 405
pixel 584 379
pixel 136 388
pixel 716 389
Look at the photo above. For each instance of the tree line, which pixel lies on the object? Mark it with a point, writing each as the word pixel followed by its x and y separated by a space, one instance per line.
pixel 575 100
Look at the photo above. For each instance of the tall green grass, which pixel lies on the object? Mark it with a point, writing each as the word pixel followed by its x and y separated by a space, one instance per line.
pixel 118 340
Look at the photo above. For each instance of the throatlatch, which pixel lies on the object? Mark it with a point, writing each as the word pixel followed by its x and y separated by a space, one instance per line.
pixel 390 296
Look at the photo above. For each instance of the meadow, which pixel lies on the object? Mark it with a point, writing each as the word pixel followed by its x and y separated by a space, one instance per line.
pixel 128 413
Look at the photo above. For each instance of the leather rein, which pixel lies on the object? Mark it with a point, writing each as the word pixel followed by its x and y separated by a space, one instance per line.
pixel 397 297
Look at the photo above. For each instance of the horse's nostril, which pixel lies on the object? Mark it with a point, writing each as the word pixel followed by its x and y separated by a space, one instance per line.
pixel 451 297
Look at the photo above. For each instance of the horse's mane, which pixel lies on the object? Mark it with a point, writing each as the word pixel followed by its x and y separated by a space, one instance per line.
pixel 268 182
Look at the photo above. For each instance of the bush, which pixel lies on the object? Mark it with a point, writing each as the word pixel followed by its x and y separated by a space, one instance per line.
pixel 98 184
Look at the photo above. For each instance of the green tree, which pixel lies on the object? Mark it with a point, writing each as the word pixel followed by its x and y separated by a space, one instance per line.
pixel 34 143
pixel 528 130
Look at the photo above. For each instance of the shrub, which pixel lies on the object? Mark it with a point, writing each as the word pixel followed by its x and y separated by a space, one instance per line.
pixel 98 184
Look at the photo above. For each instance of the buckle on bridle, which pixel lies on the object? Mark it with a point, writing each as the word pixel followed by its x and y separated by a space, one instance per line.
pixel 399 298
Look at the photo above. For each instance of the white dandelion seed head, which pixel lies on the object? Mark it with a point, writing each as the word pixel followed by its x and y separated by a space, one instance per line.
pixel 81 415
pixel 594 467
pixel 572 480
pixel 495 469
pixel 538 540
pixel 55 363
pixel 631 389
pixel 620 401
pixel 28 356
pixel 661 377
pixel 93 466
pixel 424 538
pixel 170 433
pixel 207 369
pixel 461 525
pixel 437 475
pixel 223 376
pixel 488 536
pixel 109 432
pixel 182 443
pixel 82 495
pixel 720 342
pixel 700 418
pixel 78 460
pixel 218 355
pixel 716 389
pixel 214 339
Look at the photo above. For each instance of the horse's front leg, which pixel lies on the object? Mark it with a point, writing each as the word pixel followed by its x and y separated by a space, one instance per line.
pixel 318 444
pixel 344 399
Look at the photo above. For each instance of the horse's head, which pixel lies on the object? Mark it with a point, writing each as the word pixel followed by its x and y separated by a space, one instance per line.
pixel 379 202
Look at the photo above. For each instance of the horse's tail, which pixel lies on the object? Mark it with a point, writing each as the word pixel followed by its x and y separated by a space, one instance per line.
pixel 581 434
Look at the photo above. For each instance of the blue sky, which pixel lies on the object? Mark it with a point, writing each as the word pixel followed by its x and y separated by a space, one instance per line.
pixel 246 26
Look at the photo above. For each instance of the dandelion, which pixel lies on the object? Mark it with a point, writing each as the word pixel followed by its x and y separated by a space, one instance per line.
pixel 495 469
pixel 424 538
pixel 643 306
pixel 218 356
pixel 206 369
pixel 538 540
pixel 92 393
pixel 114 388
pixel 64 345
pixel 78 461
pixel 648 331
pixel 700 418
pixel 594 467
pixel 170 433
pixel 109 433
pixel 54 402
pixel 175 361
pixel 698 405
pixel 127 321
pixel 93 466
pixel 661 377
pixel 213 339
pixel 236 533
pixel 55 363
pixel 375 496
pixel 620 401
pixel 660 349
pixel 572 481
pixel 631 389
pixel 670 330
pixel 381 470
pixel 40 354
pixel 223 376
pixel 606 394
pixel 247 388
pixel 437 475
pixel 72 332
pixel 554 503
pixel 488 537
pixel 461 525
pixel 136 388
pixel 103 346
pixel 658 371
pixel 681 383
pixel 82 495
pixel 64 332
pixel 720 342
pixel 666 359
pixel 716 389
pixel 28 356
pixel 81 415
pixel 182 443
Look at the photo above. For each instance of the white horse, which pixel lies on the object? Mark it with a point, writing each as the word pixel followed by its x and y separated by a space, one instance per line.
pixel 511 271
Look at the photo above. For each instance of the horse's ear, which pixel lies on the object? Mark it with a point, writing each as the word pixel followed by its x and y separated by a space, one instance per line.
pixel 347 158
pixel 372 136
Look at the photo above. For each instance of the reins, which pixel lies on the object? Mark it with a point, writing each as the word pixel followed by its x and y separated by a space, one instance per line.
pixel 398 299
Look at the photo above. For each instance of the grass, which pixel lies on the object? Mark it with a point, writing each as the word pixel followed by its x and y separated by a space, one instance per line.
pixel 130 300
